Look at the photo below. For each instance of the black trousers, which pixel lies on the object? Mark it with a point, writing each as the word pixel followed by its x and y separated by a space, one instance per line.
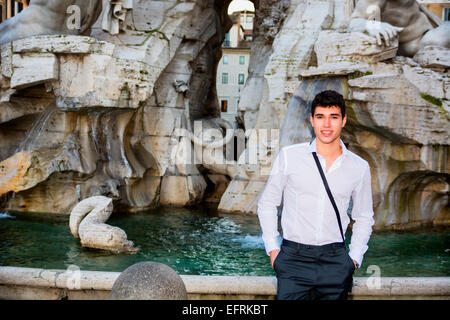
pixel 307 272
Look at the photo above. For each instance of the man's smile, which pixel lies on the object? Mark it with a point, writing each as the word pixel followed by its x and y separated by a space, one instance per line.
pixel 326 133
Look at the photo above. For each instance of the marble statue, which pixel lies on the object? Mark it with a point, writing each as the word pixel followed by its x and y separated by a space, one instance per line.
pixel 49 17
pixel 66 17
pixel 415 26
pixel 87 222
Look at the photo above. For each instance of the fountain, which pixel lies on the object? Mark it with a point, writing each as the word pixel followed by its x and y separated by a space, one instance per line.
pixel 102 113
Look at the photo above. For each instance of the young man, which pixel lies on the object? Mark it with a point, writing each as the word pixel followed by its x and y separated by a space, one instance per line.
pixel 313 262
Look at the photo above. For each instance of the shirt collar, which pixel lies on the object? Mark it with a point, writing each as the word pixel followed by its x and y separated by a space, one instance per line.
pixel 313 147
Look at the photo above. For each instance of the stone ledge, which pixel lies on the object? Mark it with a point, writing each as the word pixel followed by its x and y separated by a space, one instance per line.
pixel 62 44
pixel 33 283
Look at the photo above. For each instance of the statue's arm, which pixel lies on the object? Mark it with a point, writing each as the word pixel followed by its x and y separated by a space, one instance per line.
pixel 366 17
pixel 365 10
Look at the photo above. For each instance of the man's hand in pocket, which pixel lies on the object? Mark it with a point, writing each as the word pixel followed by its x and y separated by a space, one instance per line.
pixel 273 255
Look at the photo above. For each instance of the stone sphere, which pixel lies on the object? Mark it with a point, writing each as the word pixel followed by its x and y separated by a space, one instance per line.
pixel 148 281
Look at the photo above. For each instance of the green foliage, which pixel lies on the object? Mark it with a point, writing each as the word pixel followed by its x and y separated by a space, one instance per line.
pixel 431 99
pixel 358 74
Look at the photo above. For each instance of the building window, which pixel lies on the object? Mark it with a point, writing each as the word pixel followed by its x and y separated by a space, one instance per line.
pixel 224 78
pixel 241 78
pixel 225 59
pixel 241 59
pixel 446 14
pixel 224 105
pixel 226 42
pixel 9 8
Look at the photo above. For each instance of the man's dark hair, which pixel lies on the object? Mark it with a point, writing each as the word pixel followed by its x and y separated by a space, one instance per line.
pixel 328 98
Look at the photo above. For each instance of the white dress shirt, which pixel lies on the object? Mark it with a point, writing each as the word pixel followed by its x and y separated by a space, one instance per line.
pixel 308 216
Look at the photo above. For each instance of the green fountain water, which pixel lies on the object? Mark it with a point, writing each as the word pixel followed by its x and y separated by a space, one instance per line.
pixel 203 242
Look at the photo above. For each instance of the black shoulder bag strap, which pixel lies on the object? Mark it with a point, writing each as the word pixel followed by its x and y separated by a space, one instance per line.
pixel 329 194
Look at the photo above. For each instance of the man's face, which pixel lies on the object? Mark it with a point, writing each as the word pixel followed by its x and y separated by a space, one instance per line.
pixel 328 123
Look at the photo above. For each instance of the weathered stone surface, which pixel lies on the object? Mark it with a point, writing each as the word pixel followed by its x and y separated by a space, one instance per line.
pixel 427 80
pixel 412 117
pixel 385 88
pixel 62 44
pixel 355 46
pixel 32 69
pixel 101 81
pixel 12 172
pixel 18 283
pixel 433 57
pixel 6 61
pixel 337 69
pixel 148 281
pixel 160 121
pixel 81 71
pixel 16 107
pixel 182 190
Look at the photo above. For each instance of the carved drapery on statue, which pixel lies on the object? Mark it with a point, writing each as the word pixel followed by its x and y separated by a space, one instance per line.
pixel 115 13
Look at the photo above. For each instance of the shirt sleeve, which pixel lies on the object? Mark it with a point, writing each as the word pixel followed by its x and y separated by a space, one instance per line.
pixel 268 202
pixel 362 214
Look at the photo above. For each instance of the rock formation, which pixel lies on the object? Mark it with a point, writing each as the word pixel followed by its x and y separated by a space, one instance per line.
pixel 398 110
pixel 100 114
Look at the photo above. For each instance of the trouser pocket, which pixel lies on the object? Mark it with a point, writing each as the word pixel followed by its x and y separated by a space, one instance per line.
pixel 275 262
pixel 348 283
pixel 350 260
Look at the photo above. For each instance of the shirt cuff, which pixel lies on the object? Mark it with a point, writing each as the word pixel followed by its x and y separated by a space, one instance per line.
pixel 358 258
pixel 272 244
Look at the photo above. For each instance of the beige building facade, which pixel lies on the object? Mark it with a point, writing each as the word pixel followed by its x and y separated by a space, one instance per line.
pixel 232 70
pixel 232 73
pixel 9 8
pixel 440 9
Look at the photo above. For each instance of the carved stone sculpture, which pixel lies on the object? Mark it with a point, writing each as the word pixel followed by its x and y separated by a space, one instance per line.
pixel 114 16
pixel 415 26
pixel 48 17
pixel 99 114
pixel 92 230
pixel 210 144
